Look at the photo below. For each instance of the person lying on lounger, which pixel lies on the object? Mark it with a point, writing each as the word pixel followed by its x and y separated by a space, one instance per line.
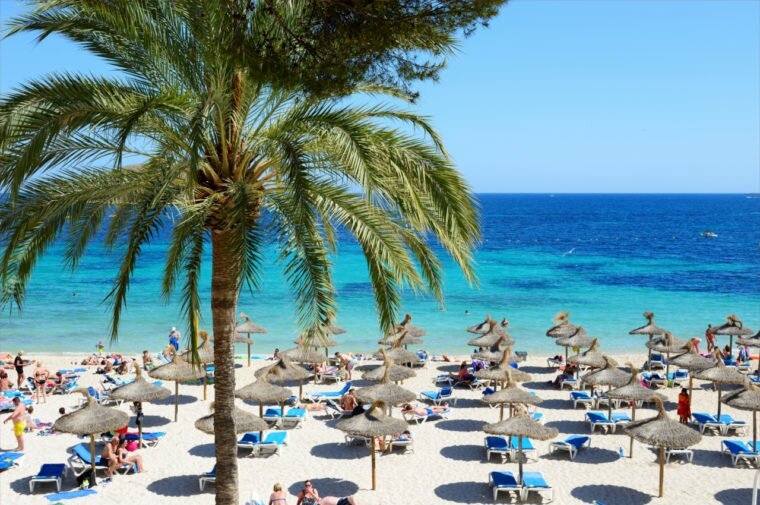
pixel 423 411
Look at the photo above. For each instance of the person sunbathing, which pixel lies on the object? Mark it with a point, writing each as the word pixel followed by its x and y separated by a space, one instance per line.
pixel 310 496
pixel 463 376
pixel 59 382
pixel 5 382
pixel 421 410
pixel 115 452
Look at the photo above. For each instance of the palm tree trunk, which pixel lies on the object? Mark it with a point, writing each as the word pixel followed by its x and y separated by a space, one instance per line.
pixel 224 295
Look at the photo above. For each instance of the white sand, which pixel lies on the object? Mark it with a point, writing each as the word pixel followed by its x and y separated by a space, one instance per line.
pixel 448 465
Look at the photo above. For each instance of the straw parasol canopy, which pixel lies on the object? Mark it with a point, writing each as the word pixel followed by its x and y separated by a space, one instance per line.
pixel 503 371
pixel 577 340
pixel 747 398
pixel 492 339
pixel 662 432
pixel 388 393
pixel 563 328
pixel 283 370
pixel 205 351
pixel 650 329
pixel 608 375
pixel 733 327
pixel 511 394
pixel 303 355
pixel 306 338
pixel 753 341
pixel 263 392
pixel 488 355
pixel 396 354
pixel 590 357
pixel 244 422
pixel 395 374
pixel 521 426
pixel 488 325
pixel 373 423
pixel 139 391
pixel 406 325
pixel 92 418
pixel 720 375
pixel 177 370
pixel 245 325
pixel 667 344
pixel 693 362
pixel 404 337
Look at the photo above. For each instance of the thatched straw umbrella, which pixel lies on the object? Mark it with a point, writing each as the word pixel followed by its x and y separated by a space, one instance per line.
pixel 576 341
pixel 405 338
pixel 502 371
pixel 92 418
pixel 492 340
pixel 563 328
pixel 282 371
pixel 650 329
pixel 609 375
pixel 245 325
pixel 692 362
pixel 747 398
pixel 396 353
pixel 720 374
pixel 732 327
pixel 373 423
pixel 319 337
pixel 753 341
pixel 633 392
pixel 667 344
pixel 263 392
pixel 662 432
pixel 205 355
pixel 490 356
pixel 591 357
pixel 407 326
pixel 396 373
pixel 387 392
pixel 489 325
pixel 511 394
pixel 244 422
pixel 521 426
pixel 139 391
pixel 303 354
pixel 178 370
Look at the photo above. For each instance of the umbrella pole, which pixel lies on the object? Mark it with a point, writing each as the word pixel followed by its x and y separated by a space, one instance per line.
pixel 754 430
pixel 609 404
pixel 667 370
pixel 261 414
pixel 205 382
pixel 649 356
pixel 633 418
pixel 690 389
pixel 519 460
pixel 92 454
pixel 139 425
pixel 501 412
pixel 372 450
pixel 176 400
pixel 719 395
pixel 300 391
pixel 662 470
pixel 731 347
pixel 249 351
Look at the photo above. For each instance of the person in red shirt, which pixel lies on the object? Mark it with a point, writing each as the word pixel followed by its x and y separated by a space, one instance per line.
pixel 710 338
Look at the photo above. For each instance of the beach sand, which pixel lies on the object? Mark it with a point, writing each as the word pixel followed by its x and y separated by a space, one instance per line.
pixel 447 466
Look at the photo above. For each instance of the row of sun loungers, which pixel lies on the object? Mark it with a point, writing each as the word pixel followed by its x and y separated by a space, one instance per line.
pixel 501 482
pixel 596 419
pixel 722 425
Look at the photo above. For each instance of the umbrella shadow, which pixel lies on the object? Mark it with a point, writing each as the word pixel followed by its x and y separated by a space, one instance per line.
pixel 449 368
pixel 569 427
pixel 183 400
pixel 591 455
pixel 178 485
pixel 154 421
pixel 469 403
pixel 203 450
pixel 328 486
pixel 460 425
pixel 464 452
pixel 734 496
pixel 706 458
pixel 544 385
pixel 625 495
pixel 534 369
pixel 463 492
pixel 555 404
pixel 334 450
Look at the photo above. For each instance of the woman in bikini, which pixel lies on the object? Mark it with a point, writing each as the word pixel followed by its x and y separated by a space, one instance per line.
pixel 277 497
pixel 41 376
pixel 310 496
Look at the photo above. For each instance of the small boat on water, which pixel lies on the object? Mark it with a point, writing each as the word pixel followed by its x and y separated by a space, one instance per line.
pixel 708 234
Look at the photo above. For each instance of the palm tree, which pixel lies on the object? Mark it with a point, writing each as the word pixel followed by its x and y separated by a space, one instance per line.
pixel 220 158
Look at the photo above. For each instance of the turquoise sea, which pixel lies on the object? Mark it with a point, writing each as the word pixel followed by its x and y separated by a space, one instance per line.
pixel 604 258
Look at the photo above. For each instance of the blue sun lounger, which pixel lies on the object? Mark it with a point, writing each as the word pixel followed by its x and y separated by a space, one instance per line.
pixel 527 446
pixel 206 478
pixel 571 444
pixel 502 482
pixel 497 445
pixel 150 438
pixel 270 445
pixel 595 418
pixel 740 451
pixel 50 472
pixel 535 482
pixel 293 418
pixel 429 414
pixel 707 421
pixel 731 424
pixel 581 398
pixel 81 460
pixel 10 460
pixel 440 396
pixel 318 396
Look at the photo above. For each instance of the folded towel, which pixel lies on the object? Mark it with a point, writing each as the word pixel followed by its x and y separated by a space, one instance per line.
pixel 70 495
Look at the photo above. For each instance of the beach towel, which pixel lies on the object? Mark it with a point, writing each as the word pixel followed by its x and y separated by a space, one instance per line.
pixel 70 495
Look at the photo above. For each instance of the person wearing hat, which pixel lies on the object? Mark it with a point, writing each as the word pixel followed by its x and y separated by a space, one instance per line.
pixel 174 337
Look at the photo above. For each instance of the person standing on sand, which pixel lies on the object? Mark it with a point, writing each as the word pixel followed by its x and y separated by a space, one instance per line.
pixel 41 376
pixel 684 406
pixel 18 417
pixel 710 338
pixel 174 337
pixel 19 362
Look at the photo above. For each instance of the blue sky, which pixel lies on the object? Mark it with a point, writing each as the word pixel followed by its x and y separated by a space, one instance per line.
pixel 572 96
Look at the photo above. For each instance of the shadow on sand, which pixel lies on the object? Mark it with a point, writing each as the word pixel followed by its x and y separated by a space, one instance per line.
pixel 328 486
pixel 334 450
pixel 621 495
pixel 460 425
pixel 463 492
pixel 465 452
pixel 179 485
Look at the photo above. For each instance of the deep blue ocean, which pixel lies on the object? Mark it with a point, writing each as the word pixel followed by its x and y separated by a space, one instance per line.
pixel 604 258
